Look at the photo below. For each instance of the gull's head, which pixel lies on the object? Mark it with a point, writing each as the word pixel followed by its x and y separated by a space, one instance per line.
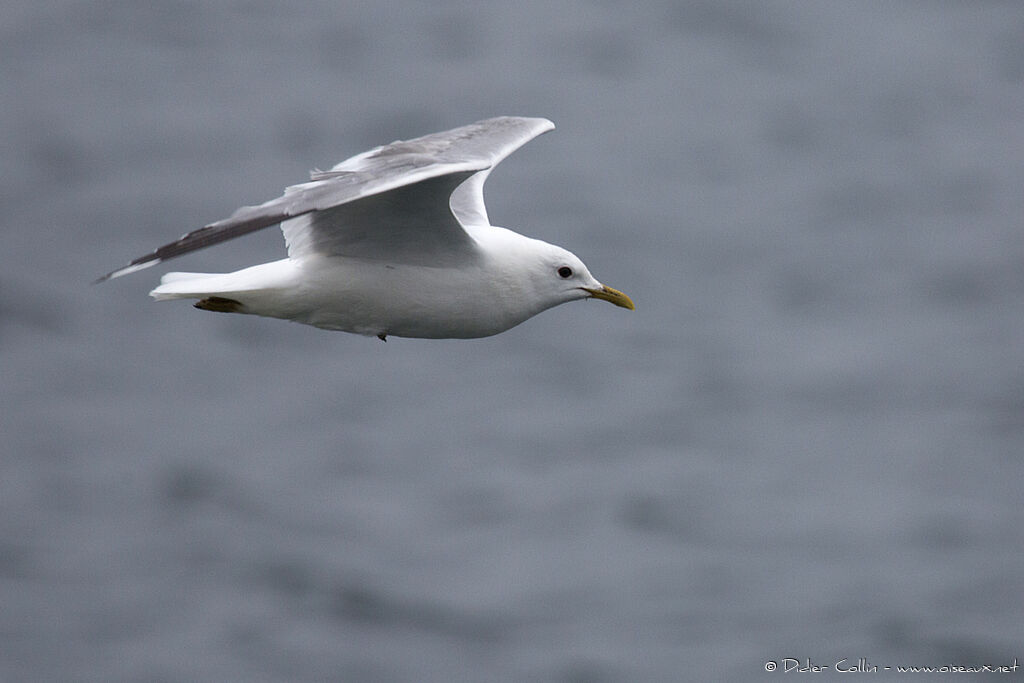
pixel 560 276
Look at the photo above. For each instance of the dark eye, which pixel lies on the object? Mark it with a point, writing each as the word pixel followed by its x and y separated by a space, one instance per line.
pixel 565 272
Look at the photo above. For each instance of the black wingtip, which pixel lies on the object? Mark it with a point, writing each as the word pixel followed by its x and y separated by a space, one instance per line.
pixel 137 264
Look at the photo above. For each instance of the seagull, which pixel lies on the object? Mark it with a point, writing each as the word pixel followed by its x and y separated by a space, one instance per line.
pixel 392 242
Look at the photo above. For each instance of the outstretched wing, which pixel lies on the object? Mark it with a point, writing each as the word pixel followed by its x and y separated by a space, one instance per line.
pixel 394 201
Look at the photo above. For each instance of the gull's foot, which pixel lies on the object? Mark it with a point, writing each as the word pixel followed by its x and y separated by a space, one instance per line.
pixel 219 304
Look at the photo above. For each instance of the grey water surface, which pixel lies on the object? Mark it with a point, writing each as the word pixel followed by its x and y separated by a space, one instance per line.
pixel 806 444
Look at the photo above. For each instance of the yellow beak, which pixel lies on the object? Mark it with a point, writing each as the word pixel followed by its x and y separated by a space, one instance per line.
pixel 610 295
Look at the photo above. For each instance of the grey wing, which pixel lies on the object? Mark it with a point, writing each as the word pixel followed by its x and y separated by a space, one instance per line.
pixel 421 221
pixel 394 201
pixel 409 224
pixel 508 134
pixel 489 141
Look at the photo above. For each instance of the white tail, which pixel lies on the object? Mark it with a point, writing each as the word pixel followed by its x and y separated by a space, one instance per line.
pixel 255 283
pixel 188 285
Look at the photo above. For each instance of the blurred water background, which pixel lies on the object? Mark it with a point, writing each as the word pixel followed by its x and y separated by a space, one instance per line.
pixel 806 442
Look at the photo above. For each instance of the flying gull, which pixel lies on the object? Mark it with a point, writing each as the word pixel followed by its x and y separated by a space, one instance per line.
pixel 394 241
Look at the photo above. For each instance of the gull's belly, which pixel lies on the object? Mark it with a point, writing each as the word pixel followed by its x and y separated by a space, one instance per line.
pixel 401 300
